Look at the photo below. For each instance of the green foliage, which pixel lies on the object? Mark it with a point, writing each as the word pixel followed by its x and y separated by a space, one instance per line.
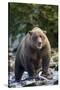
pixel 23 17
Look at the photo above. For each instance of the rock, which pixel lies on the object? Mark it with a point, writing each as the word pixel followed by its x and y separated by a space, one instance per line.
pixel 11 65
pixel 27 82
pixel 54 51
pixel 39 80
pixel 55 58
pixel 52 64
pixel 56 68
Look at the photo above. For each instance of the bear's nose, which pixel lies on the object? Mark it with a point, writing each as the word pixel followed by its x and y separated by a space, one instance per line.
pixel 39 43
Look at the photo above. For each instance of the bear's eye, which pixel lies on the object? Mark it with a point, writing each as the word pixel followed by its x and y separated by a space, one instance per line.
pixel 40 36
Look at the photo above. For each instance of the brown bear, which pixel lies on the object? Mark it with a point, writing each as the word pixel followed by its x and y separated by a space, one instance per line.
pixel 33 52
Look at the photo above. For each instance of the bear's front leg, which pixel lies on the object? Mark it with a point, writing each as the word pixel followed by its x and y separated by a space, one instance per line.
pixel 31 69
pixel 18 71
pixel 45 65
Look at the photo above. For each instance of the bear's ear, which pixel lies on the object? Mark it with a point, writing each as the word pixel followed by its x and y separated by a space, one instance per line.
pixel 30 32
pixel 45 32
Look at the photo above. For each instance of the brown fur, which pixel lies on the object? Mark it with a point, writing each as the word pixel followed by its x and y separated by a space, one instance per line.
pixel 34 51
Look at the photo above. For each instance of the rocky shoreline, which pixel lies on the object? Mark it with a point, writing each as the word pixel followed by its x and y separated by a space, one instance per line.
pixel 40 80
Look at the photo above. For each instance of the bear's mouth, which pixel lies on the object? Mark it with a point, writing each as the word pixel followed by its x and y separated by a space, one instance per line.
pixel 39 47
pixel 36 46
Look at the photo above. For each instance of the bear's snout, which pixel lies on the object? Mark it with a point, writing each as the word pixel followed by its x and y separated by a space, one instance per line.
pixel 39 43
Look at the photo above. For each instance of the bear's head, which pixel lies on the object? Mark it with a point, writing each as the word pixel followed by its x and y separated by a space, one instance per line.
pixel 37 38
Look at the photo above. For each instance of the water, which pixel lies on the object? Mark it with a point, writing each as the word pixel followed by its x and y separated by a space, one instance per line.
pixel 25 81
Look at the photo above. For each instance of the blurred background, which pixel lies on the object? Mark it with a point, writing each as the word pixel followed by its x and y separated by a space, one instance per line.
pixel 23 17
